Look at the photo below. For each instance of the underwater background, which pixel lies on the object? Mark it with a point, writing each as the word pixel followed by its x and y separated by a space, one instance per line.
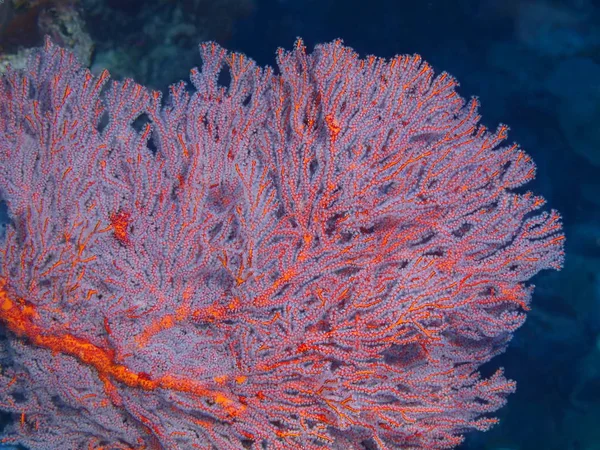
pixel 535 66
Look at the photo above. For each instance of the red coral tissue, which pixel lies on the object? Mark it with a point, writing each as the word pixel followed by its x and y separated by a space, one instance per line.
pixel 315 258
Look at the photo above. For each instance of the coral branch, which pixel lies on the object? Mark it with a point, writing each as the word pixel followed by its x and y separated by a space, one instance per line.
pixel 316 259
